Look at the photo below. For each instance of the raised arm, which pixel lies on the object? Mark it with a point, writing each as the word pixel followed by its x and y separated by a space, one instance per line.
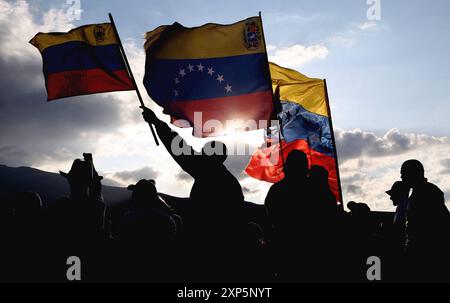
pixel 185 155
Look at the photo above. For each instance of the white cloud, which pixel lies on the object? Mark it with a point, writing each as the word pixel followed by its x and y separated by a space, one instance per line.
pixel 369 164
pixel 343 39
pixel 295 56
pixel 349 37
pixel 356 143
pixel 127 177
pixel 271 48
pixel 17 27
pixel 369 26
pixel 445 166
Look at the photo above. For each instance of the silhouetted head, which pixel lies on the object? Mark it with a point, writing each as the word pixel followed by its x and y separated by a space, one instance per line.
pixel 79 178
pixel 361 217
pixel 27 202
pixel 360 210
pixel 146 194
pixel 143 191
pixel 398 192
pixel 216 151
pixel 412 172
pixel 318 174
pixel 296 165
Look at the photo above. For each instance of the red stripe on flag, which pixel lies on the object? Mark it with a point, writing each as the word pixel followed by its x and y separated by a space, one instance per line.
pixel 83 82
pixel 255 106
pixel 266 163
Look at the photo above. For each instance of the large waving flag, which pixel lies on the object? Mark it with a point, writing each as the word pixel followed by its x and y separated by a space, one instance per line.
pixel 85 60
pixel 305 126
pixel 216 71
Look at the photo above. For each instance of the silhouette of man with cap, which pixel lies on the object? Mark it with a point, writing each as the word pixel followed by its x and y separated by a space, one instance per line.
pixel 395 236
pixel 399 195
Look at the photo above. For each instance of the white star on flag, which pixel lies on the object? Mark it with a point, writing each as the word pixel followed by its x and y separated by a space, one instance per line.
pixel 175 92
pixel 200 67
pixel 177 81
pixel 220 78
pixel 190 67
pixel 228 88
pixel 182 73
pixel 210 71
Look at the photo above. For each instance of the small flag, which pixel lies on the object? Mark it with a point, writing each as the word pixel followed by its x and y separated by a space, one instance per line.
pixel 209 75
pixel 305 126
pixel 85 60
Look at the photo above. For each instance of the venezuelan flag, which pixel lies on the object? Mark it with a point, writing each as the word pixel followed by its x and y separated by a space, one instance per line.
pixel 305 126
pixel 217 70
pixel 85 60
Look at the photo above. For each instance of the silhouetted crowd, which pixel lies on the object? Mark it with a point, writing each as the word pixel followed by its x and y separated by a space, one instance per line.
pixel 305 236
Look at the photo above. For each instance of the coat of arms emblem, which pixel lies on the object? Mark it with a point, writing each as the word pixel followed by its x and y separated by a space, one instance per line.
pixel 252 35
pixel 99 33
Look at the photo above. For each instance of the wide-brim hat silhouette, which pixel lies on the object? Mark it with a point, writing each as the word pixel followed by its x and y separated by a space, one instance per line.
pixel 79 171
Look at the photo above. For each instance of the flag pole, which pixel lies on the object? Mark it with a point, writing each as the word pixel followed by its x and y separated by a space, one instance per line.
pixel 334 142
pixel 269 79
pixel 130 72
pixel 276 96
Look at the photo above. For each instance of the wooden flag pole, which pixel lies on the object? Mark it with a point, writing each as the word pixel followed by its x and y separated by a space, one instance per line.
pixel 269 79
pixel 334 142
pixel 130 73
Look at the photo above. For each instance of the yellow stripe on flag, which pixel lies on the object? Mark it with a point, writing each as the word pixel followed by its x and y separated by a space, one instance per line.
pixel 296 87
pixel 95 34
pixel 207 41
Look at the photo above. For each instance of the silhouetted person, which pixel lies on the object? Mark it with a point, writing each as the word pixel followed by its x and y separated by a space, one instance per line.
pixel 284 199
pixel 361 216
pixel 214 223
pixel 324 201
pixel 27 203
pixel 364 241
pixel 74 224
pixel 285 205
pixel 395 236
pixel 84 208
pixel 6 238
pixel 399 193
pixel 24 248
pixel 427 225
pixel 145 196
pixel 146 236
pixel 148 218
pixel 27 208
pixel 324 229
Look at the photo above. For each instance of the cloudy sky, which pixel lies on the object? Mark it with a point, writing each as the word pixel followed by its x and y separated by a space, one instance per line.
pixel 387 79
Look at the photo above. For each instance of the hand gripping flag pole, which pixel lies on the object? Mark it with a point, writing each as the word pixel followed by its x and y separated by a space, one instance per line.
pixel 125 59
